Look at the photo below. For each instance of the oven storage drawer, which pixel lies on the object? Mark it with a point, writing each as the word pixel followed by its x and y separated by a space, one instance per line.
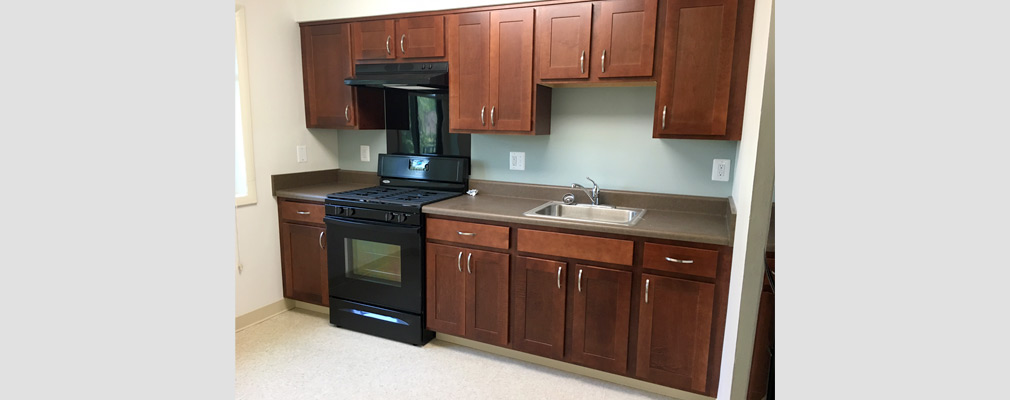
pixel 468 233
pixel 382 322
pixel 684 260
pixel 301 212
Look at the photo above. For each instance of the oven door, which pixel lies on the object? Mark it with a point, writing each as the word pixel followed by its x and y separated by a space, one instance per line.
pixel 375 263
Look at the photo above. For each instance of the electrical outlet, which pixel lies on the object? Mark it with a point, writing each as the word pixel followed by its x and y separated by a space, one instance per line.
pixel 720 170
pixel 517 160
pixel 365 153
pixel 300 152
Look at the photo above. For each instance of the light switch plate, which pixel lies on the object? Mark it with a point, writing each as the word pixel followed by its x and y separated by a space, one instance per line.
pixel 365 153
pixel 301 154
pixel 517 160
pixel 720 170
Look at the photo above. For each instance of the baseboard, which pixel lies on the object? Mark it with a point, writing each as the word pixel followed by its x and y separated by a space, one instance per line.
pixel 258 315
pixel 312 307
pixel 576 369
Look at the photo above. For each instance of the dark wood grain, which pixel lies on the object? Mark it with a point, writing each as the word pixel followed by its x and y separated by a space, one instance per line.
pixel 563 35
pixel 446 289
pixel 487 296
pixel 301 211
pixel 538 307
pixel 374 40
pixel 326 61
pixel 702 262
pixel 511 51
pixel 601 308
pixel 765 337
pixel 422 37
pixel 303 261
pixel 675 332
pixel 483 234
pixel 469 71
pixel 694 84
pixel 626 30
pixel 582 247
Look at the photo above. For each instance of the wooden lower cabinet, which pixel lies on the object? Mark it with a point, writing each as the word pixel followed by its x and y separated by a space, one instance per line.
pixel 303 260
pixel 674 332
pixel 538 307
pixel 601 314
pixel 468 293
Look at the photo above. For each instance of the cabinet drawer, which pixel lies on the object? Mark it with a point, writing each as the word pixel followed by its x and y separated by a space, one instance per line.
pixel 591 248
pixel 685 260
pixel 468 233
pixel 302 212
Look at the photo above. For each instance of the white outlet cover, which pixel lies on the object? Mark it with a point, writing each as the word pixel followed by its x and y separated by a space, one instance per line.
pixel 365 153
pixel 517 160
pixel 720 170
pixel 301 154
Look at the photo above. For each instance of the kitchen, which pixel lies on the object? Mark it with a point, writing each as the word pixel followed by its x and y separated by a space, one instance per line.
pixel 604 133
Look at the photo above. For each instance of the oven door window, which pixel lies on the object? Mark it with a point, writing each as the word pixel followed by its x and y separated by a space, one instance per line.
pixel 373 262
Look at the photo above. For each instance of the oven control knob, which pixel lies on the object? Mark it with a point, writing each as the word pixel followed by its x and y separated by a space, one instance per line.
pixel 389 216
pixel 401 217
pixel 348 211
pixel 340 210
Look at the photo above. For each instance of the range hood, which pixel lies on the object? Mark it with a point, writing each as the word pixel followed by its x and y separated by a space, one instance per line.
pixel 406 76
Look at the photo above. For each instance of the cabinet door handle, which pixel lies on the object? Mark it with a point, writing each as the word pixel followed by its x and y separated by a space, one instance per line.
pixel 646 291
pixel 347 116
pixel 603 61
pixel 580 280
pixel 388 38
pixel 468 263
pixel 664 117
pixel 482 115
pixel 559 277
pixel 492 116
pixel 404 36
pixel 321 239
pixel 459 258
pixel 679 261
pixel 303 212
pixel 582 68
pixel 466 233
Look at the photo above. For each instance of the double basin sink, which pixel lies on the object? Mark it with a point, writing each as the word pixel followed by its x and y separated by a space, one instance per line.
pixel 558 210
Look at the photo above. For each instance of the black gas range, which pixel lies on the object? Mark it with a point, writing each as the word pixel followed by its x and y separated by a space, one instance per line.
pixel 375 240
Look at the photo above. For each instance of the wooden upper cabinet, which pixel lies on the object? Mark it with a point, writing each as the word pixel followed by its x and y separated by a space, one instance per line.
pixel 538 306
pixel 674 332
pixel 326 62
pixel 624 38
pixel 601 314
pixel 562 40
pixel 421 37
pixel 693 92
pixel 469 70
pixel 511 94
pixel 373 40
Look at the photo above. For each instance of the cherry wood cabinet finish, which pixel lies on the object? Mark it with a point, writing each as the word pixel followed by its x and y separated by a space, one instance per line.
pixel 685 260
pixel 459 232
pixel 311 213
pixel 326 61
pixel 374 40
pixel 446 289
pixel 694 85
pixel 761 361
pixel 601 314
pixel 562 40
pixel 469 71
pixel 304 263
pixel 675 331
pixel 626 31
pixel 591 248
pixel 420 37
pixel 487 296
pixel 538 306
pixel 511 95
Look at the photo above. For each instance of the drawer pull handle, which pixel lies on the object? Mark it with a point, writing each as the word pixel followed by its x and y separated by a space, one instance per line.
pixel 459 259
pixel 646 291
pixel 559 277
pixel 468 263
pixel 303 212
pixel 321 239
pixel 679 261
pixel 466 233
pixel 580 280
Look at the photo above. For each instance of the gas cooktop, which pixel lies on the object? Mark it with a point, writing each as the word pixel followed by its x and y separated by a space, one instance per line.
pixel 400 196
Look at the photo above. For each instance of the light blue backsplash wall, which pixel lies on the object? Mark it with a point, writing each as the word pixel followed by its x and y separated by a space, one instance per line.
pixel 602 133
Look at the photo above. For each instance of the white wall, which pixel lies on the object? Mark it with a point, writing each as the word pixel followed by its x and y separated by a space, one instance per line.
pixel 278 114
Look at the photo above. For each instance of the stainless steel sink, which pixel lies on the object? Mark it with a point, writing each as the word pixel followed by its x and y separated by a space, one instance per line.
pixel 587 213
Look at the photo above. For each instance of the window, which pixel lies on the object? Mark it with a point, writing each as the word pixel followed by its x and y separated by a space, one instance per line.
pixel 245 171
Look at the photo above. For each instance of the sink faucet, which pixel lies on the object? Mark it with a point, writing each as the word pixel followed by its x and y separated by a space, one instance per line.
pixel 594 195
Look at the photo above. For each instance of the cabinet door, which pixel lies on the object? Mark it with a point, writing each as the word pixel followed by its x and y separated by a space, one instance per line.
pixel 763 339
pixel 601 316
pixel 487 296
pixel 511 92
pixel 562 40
pixel 624 40
pixel 421 37
pixel 373 40
pixel 694 84
pixel 303 263
pixel 446 287
pixel 674 332
pixel 469 71
pixel 538 301
pixel 326 62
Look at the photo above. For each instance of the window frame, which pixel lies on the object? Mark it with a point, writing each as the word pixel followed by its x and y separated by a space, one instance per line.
pixel 241 54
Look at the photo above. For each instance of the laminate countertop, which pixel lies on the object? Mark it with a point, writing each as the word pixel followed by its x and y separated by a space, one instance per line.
pixel 317 193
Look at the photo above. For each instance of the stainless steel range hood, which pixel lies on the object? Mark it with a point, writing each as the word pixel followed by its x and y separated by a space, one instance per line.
pixel 405 76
